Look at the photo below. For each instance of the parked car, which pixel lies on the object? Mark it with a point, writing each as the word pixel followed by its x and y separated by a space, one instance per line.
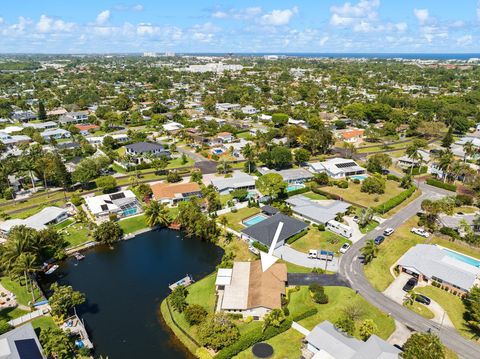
pixel 312 253
pixel 420 232
pixel 422 299
pixel 388 231
pixel 355 219
pixel 379 240
pixel 345 248
pixel 253 250
pixel 411 283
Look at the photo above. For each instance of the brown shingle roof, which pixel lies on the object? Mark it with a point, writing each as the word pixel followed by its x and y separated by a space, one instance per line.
pixel 168 190
pixel 265 288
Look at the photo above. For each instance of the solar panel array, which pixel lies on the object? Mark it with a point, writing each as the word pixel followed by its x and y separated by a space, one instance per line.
pixel 346 164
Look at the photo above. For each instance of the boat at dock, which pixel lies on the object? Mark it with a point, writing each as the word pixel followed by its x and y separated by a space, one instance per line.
pixel 78 256
pixel 186 281
pixel 51 269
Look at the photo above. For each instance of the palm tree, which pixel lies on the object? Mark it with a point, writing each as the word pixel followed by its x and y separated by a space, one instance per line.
pixel 410 297
pixel 445 159
pixel 249 155
pixel 228 237
pixel 369 251
pixel 26 264
pixel 157 214
pixel 414 154
pixel 469 149
pixel 350 149
pixel 365 216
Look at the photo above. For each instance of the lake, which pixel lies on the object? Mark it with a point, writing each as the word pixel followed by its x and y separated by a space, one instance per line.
pixel 124 287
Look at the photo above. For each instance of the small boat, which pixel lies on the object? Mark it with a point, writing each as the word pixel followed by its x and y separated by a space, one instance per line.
pixel 78 256
pixel 52 269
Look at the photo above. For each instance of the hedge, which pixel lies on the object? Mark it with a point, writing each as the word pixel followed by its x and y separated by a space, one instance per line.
pixel 298 191
pixel 297 236
pixel 392 177
pixel 326 194
pixel 306 314
pixel 260 246
pixel 440 184
pixel 252 337
pixel 395 201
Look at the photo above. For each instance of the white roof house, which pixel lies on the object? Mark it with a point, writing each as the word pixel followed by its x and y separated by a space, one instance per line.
pixel 442 265
pixel 237 181
pixel 55 133
pixel 122 203
pixel 337 167
pixel 292 175
pixel 172 126
pixel 316 211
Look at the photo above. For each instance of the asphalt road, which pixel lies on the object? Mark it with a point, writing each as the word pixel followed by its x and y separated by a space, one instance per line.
pixel 351 268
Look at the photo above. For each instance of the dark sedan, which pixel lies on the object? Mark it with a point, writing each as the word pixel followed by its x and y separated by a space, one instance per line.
pixel 379 240
pixel 422 299
pixel 411 283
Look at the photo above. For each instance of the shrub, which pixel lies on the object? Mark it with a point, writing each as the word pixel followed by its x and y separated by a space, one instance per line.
pixel 346 324
pixel 248 319
pixel 463 200
pixel 306 314
pixel 449 232
pixel 173 177
pixel 76 199
pixel 298 191
pixel 234 316
pixel 297 236
pixel 395 201
pixel 391 177
pixel 440 184
pixel 373 184
pixel 9 193
pixel 203 353
pixel 260 246
pixel 320 298
pixel 356 181
pixel 342 184
pixel 321 178
pixel 195 314
pixel 321 227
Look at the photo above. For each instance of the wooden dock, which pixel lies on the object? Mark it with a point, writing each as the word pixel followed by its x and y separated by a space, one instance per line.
pixel 186 281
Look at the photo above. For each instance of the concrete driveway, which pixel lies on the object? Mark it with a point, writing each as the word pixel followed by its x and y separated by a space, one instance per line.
pixel 291 255
pixel 356 234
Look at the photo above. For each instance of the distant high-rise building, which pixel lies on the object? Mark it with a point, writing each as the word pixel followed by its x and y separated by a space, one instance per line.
pixel 150 54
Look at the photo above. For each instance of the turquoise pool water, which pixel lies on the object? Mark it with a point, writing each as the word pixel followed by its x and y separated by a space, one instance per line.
pixel 254 220
pixel 129 212
pixel 359 177
pixel 294 187
pixel 472 261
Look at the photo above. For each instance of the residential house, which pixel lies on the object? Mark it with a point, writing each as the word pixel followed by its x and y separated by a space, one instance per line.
pixel 172 126
pixel 430 263
pixel 48 125
pixel 21 343
pixel 239 180
pixel 319 212
pixel 407 162
pixel 325 341
pixel 227 107
pixel 264 231
pixel 72 118
pixel 225 137
pixel 98 140
pixel 85 129
pixel 249 110
pixel 337 168
pixel 57 133
pixel 13 140
pixel 39 221
pixel 290 176
pixel 142 150
pixel 248 290
pixel 301 123
pixel 351 135
pixel 56 112
pixel 24 116
pixel 172 193
pixel 121 204
pixel 237 147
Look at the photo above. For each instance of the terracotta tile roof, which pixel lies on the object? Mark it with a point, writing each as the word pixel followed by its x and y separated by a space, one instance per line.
pixel 169 190
pixel 224 134
pixel 86 127
pixel 352 133
pixel 265 288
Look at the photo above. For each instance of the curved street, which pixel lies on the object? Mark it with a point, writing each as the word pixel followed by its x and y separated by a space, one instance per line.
pixel 351 268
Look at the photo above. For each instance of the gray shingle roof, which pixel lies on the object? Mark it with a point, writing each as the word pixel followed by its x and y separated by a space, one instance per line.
pixel 319 212
pixel 265 230
pixel 141 147
pixel 19 342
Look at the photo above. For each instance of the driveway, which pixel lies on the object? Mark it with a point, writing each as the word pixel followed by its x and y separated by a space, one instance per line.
pixel 356 233
pixel 321 279
pixel 301 259
pixel 207 167
pixel 395 291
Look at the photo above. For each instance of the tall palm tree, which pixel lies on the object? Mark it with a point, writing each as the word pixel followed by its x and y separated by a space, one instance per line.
pixel 445 159
pixel 350 149
pixel 468 149
pixel 249 155
pixel 369 251
pixel 157 214
pixel 410 297
pixel 26 264
pixel 414 154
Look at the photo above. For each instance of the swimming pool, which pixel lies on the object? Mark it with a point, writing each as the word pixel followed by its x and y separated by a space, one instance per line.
pixel 465 259
pixel 217 151
pixel 294 187
pixel 129 211
pixel 359 177
pixel 254 220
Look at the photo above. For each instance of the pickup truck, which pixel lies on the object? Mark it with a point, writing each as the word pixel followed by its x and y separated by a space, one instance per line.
pixel 420 232
pixel 320 254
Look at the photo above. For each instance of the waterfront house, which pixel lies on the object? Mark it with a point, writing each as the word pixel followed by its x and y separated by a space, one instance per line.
pixel 121 204
pixel 172 193
pixel 337 168
pixel 319 212
pixel 327 342
pixel 239 180
pixel 430 263
pixel 21 343
pixel 248 290
pixel 264 230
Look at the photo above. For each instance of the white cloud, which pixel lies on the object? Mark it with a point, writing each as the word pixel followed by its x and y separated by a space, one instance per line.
pixel 422 15
pixel 465 40
pixel 47 24
pixel 1 20
pixel 478 10
pixel 103 17
pixel 238 14
pixel 220 15
pixel 347 14
pixel 138 7
pixel 323 40
pixel 279 17
pixel 401 26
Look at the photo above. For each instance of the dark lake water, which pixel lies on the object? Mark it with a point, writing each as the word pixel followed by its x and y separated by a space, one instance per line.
pixel 125 286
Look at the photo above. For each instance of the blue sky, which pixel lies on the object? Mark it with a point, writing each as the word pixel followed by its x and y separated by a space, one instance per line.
pixel 53 26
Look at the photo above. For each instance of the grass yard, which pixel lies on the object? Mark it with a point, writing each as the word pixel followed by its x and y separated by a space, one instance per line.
pixel 286 345
pixel 452 304
pixel 354 195
pixel 133 224
pixel 77 234
pixel 339 297
pixel 22 295
pixel 314 196
pixel 42 323
pixel 11 313
pixel 466 209
pixel 64 224
pixel 390 251
pixel 316 239
pixel 224 198
pixel 177 162
pixel 238 248
pixel 235 218
pixel 420 309
pixel 369 227
pixel 293 268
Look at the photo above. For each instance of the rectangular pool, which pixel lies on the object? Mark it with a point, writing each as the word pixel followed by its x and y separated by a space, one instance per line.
pixel 465 259
pixel 359 177
pixel 294 187
pixel 254 220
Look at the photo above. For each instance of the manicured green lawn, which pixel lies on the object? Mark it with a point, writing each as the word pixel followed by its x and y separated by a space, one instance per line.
pixel 11 313
pixel 369 227
pixel 133 224
pixel 286 345
pixel 23 296
pixel 293 268
pixel 452 304
pixel 203 292
pixel 42 323
pixel 77 234
pixel 314 196
pixel 224 198
pixel 64 224
pixel 421 309
pixel 339 297
pixel 316 239
pixel 177 162
pixel 353 193
pixel 235 219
